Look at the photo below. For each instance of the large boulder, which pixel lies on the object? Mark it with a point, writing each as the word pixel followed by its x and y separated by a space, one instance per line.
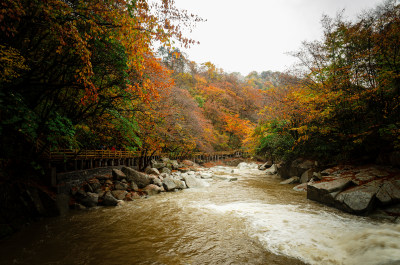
pixel 360 199
pixel 264 166
pixel 141 180
pixel 152 189
pixel 271 170
pixel 357 190
pixel 90 200
pixel 157 181
pixel 109 199
pixel 119 185
pixel 152 171
pixel 119 194
pixel 118 174
pixel 389 192
pixel 193 182
pixel 306 176
pixel 326 191
pixel 171 184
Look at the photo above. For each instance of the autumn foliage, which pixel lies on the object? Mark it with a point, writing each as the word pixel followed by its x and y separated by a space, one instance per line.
pixel 343 101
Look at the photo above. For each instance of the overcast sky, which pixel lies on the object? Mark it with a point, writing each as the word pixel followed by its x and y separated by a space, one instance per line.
pixel 254 35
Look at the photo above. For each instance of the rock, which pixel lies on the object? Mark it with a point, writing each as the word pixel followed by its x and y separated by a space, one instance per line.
pixel 157 182
pixel 157 165
pixel 108 182
pixel 232 179
pixel 174 164
pixel 359 199
pixel 152 189
pixel 326 191
pixel 95 184
pixel 119 194
pixel 103 177
pixel 90 200
pixel 264 166
pixel 120 203
pixel 301 187
pixel 317 175
pixel 206 175
pixel 169 184
pixel 118 174
pixel 153 171
pixel 192 182
pixel 282 169
pixel 133 186
pixel 180 184
pixel 166 170
pixel 109 200
pixel 306 176
pixel 141 180
pixel 243 165
pixel 389 192
pixel 132 196
pixel 120 186
pixel 188 163
pixel 272 170
pixel 292 180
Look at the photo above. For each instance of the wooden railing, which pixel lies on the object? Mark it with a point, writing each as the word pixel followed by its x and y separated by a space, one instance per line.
pixel 68 154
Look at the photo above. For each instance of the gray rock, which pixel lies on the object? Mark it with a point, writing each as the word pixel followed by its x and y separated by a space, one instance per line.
pixel 158 165
pixel 166 170
pixel 359 199
pixel 142 180
pixel 157 182
pixel 192 182
pixel 306 176
pixel 90 200
pixel 326 191
pixel 292 180
pixel 264 166
pixel 169 184
pixel 119 194
pixel 152 189
pixel 272 170
pixel 389 192
pixel 301 187
pixel 94 184
pixel 175 164
pixel 153 171
pixel 119 185
pixel 109 200
pixel 232 179
pixel 118 174
pixel 133 186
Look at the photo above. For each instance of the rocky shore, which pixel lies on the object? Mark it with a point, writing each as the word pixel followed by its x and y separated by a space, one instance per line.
pixel 128 184
pixel 362 190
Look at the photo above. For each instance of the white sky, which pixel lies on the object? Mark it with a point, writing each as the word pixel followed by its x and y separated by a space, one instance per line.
pixel 254 35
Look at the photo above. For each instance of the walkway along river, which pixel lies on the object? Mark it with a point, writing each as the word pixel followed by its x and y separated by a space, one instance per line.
pixel 253 220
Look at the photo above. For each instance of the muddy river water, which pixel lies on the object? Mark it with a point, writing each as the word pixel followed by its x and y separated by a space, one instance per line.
pixel 253 220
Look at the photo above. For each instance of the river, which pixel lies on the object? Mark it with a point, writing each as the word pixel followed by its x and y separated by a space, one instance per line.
pixel 253 220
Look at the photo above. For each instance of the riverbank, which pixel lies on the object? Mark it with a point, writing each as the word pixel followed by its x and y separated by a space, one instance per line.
pixel 363 190
pixel 254 220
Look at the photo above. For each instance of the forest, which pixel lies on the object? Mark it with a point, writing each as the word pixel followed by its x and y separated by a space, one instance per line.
pixel 111 74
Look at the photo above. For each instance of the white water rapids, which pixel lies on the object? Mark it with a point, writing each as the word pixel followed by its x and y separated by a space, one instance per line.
pixel 253 220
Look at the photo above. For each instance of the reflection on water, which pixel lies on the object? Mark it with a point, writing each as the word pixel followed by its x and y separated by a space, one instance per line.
pixel 250 221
